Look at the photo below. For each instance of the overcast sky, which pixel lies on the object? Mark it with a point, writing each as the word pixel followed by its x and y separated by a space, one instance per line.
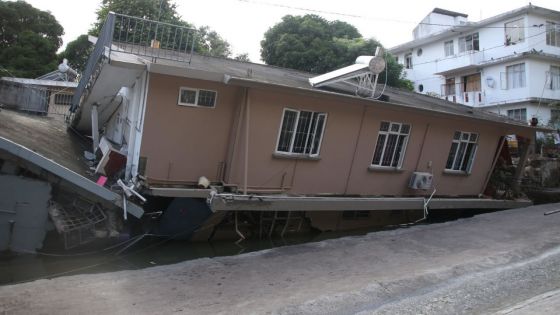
pixel 243 22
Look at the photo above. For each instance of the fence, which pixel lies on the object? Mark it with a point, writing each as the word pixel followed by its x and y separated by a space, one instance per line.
pixel 36 98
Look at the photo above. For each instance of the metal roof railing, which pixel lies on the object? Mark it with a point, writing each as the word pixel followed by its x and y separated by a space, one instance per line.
pixel 141 37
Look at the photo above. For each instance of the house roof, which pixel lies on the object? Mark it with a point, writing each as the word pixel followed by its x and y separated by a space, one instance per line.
pixel 471 26
pixel 251 74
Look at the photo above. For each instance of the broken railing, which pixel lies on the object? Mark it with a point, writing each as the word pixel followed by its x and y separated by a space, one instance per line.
pixel 141 37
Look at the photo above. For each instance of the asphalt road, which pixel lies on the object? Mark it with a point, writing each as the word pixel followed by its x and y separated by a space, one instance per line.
pixel 500 263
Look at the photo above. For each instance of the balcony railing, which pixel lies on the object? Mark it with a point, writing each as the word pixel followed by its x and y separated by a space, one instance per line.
pixel 454 93
pixel 141 37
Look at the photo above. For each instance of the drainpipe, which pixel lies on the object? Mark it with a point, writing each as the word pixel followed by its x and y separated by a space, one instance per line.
pixel 94 126
pixel 247 131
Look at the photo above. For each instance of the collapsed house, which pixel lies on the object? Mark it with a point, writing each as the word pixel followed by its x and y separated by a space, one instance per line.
pixel 209 141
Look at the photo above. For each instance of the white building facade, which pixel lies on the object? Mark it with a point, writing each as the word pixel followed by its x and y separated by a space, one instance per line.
pixel 508 64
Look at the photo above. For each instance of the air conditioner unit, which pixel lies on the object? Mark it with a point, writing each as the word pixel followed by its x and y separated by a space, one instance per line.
pixel 420 180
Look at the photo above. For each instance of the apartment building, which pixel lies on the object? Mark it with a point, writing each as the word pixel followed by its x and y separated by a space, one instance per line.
pixel 508 63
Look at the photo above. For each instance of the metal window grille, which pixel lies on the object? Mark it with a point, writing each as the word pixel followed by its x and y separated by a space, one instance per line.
pixel 301 132
pixel 462 152
pixel 391 144
pixel 515 76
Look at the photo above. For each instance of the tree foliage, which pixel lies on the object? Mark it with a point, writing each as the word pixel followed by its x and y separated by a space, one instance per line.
pixel 29 39
pixel 313 44
pixel 77 52
pixel 208 41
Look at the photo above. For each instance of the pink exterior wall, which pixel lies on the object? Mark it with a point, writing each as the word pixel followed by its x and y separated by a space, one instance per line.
pixel 183 143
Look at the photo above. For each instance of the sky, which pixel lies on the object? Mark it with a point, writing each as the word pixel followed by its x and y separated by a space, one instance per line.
pixel 243 22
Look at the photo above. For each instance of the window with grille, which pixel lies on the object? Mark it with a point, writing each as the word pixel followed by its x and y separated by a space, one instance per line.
pixel 552 34
pixel 63 99
pixel 197 97
pixel 518 114
pixel 469 43
pixel 514 32
pixel 515 76
pixel 301 132
pixel 391 144
pixel 462 152
pixel 448 48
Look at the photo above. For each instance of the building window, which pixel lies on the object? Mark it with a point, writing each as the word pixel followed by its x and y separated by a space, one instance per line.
pixel 468 43
pixel 462 152
pixel 301 132
pixel 408 61
pixel 421 88
pixel 515 76
pixel 471 83
pixel 514 32
pixel 419 52
pixel 391 144
pixel 519 114
pixel 552 34
pixel 197 97
pixel 62 99
pixel 449 87
pixel 554 75
pixel 554 117
pixel 448 48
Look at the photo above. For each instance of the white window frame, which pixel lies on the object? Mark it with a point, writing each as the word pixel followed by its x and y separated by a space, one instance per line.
pixel 387 133
pixel 470 161
pixel 516 78
pixel 554 77
pixel 197 93
pixel 514 28
pixel 309 137
pixel 449 48
pixel 464 45
pixel 552 33
pixel 516 114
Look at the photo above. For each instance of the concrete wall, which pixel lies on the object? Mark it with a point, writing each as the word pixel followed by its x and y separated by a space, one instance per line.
pixel 182 143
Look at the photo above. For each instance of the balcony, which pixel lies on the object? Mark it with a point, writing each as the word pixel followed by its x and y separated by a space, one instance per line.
pixel 457 63
pixel 454 93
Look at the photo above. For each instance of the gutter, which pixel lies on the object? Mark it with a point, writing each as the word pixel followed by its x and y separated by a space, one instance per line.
pixel 70 176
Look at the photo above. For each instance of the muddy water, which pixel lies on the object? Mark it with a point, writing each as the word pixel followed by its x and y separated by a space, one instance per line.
pixel 151 251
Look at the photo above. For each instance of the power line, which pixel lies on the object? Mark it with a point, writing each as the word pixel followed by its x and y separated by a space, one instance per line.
pixel 469 24
pixel 486 49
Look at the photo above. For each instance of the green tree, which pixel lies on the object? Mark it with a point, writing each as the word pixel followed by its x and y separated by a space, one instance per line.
pixel 208 42
pixel 29 39
pixel 77 52
pixel 242 57
pixel 313 44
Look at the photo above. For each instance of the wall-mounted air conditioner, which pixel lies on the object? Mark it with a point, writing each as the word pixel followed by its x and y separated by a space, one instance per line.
pixel 420 180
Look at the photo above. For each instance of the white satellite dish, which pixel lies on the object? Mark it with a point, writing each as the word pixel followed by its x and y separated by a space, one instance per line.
pixel 362 75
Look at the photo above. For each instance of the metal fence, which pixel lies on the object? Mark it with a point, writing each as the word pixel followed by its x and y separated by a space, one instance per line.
pixel 142 37
pixel 36 99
